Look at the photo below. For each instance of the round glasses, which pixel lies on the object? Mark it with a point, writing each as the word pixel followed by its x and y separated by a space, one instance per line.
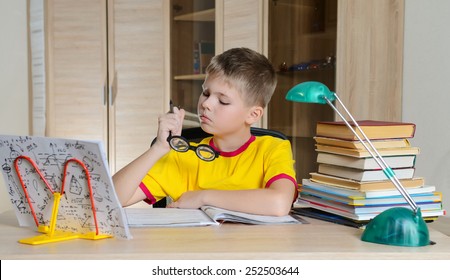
pixel 203 151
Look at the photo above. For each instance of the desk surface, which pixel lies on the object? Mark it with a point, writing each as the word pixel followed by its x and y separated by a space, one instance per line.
pixel 317 240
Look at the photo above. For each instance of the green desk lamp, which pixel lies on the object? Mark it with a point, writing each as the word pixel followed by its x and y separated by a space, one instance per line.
pixel 396 226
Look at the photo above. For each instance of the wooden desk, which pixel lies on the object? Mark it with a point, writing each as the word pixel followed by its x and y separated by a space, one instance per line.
pixel 317 240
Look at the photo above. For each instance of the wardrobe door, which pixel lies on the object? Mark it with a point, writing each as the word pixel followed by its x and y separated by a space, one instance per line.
pixel 136 77
pixel 243 24
pixel 76 69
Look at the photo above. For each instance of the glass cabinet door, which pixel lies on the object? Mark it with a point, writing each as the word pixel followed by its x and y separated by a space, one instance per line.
pixel 192 47
pixel 302 47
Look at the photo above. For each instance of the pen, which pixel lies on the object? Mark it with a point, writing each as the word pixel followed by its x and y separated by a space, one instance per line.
pixel 171 106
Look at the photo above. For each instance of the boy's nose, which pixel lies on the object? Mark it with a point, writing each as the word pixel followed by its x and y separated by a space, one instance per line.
pixel 206 104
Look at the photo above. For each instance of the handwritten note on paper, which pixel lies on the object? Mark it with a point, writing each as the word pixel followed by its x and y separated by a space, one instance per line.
pixel 50 156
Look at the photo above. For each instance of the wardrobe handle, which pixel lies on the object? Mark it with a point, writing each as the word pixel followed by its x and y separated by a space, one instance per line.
pixel 111 96
pixel 105 95
pixel 112 86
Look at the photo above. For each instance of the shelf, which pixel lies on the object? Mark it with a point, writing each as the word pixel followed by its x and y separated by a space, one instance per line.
pixel 302 45
pixel 329 34
pixel 306 71
pixel 206 15
pixel 192 32
pixel 191 77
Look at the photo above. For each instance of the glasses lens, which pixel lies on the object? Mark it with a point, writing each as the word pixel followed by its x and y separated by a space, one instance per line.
pixel 179 144
pixel 205 152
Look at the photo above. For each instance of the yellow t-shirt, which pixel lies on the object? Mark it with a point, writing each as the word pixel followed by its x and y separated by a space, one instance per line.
pixel 257 164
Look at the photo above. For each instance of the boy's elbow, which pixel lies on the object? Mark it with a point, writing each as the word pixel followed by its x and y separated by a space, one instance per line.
pixel 281 206
pixel 282 198
pixel 282 211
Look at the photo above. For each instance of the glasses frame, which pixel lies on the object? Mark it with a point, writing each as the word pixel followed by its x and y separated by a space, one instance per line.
pixel 197 149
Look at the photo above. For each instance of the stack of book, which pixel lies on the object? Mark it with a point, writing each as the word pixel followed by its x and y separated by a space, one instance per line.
pixel 349 183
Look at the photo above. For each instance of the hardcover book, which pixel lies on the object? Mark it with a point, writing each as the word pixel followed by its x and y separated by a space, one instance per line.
pixel 373 129
pixel 355 144
pixel 364 186
pixel 363 175
pixel 365 153
pixel 367 163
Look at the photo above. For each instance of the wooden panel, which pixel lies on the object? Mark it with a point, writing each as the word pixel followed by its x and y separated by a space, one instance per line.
pixel 370 57
pixel 76 60
pixel 243 24
pixel 136 75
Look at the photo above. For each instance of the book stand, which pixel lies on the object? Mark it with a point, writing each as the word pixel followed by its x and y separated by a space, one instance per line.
pixel 51 234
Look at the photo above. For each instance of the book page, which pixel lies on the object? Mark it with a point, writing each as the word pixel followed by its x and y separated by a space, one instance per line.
pixel 219 214
pixel 167 217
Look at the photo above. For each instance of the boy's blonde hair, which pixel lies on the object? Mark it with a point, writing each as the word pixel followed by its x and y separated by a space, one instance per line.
pixel 250 72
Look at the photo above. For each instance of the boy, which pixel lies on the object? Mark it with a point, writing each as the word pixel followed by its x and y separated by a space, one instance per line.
pixel 253 175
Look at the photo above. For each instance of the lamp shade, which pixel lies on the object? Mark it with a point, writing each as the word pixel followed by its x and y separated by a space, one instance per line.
pixel 310 92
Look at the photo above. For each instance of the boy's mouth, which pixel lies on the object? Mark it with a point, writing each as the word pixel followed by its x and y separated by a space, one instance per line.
pixel 204 118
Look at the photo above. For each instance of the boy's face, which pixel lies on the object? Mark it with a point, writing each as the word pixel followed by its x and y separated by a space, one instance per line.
pixel 221 109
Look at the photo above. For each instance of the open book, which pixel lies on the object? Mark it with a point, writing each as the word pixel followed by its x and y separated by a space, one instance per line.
pixel 207 215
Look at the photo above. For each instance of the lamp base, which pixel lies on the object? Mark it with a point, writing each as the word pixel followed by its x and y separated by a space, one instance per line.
pixel 398 226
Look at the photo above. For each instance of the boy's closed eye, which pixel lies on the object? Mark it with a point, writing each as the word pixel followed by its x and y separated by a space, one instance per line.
pixel 222 100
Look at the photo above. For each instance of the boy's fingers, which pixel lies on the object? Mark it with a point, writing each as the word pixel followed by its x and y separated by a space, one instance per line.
pixel 182 114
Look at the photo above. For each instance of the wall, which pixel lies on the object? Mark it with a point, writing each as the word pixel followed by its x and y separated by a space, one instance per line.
pixel 13 76
pixel 426 88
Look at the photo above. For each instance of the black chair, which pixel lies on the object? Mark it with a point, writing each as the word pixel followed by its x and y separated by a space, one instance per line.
pixel 196 134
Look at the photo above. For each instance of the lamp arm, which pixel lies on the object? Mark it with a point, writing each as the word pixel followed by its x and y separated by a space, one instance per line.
pixel 373 152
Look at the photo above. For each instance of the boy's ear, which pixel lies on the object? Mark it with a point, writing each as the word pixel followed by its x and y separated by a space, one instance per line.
pixel 255 114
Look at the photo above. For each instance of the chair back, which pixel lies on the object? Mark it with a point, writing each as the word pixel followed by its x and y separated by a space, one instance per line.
pixel 196 134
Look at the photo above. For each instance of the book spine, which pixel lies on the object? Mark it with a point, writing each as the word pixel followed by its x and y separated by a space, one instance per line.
pixel 206 52
pixel 196 58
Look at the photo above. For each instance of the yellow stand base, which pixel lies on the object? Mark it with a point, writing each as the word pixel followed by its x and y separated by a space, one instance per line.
pixel 52 235
pixel 62 236
pixel 92 236
pixel 43 229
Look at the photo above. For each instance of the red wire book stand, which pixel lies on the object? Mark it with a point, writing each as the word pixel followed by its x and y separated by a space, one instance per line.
pixel 50 233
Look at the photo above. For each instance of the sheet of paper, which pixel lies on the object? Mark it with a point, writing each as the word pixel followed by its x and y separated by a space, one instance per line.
pixel 75 211
pixel 219 214
pixel 167 217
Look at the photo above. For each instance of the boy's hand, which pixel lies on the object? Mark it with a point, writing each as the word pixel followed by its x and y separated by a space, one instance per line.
pixel 189 199
pixel 170 123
